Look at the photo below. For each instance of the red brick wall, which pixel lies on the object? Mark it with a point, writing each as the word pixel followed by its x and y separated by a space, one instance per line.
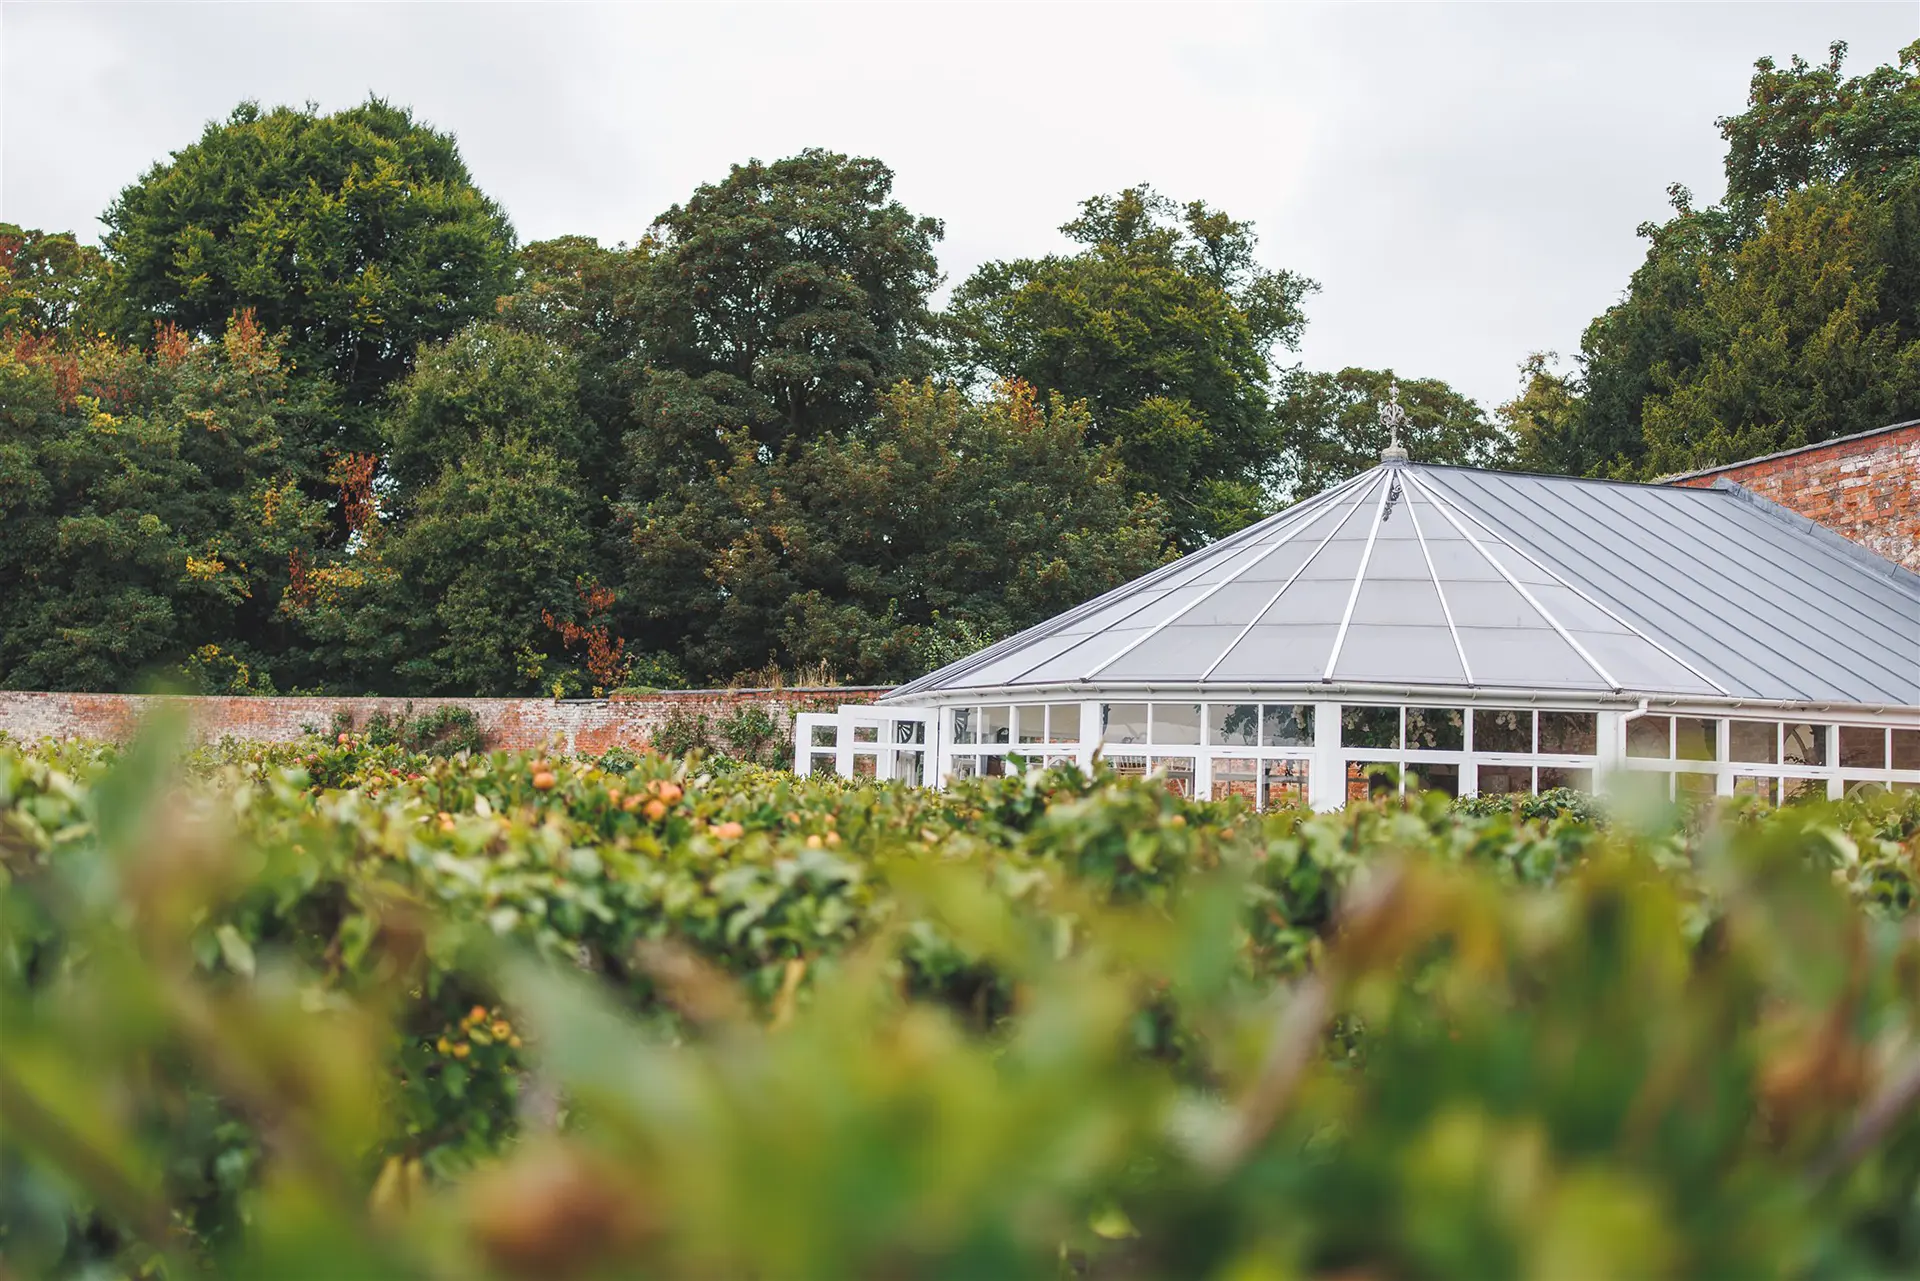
pixel 1866 488
pixel 512 723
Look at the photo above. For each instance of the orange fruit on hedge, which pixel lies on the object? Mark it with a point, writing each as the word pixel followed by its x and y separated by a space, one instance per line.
pixel 729 830
pixel 655 810
pixel 671 792
pixel 543 781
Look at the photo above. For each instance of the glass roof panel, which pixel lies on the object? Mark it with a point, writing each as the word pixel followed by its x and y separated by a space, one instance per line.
pixel 1521 658
pixel 1278 653
pixel 1414 655
pixel 1174 653
pixel 1500 604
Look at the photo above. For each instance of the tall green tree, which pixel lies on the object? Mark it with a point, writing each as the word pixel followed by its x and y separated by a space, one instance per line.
pixel 1333 428
pixel 1783 315
pixel 778 301
pixel 152 507
pixel 492 383
pixel 52 286
pixel 943 518
pixel 1164 323
pixel 359 235
pixel 451 600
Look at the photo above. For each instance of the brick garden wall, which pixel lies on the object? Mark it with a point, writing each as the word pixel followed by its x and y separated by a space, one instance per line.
pixel 577 725
pixel 1865 487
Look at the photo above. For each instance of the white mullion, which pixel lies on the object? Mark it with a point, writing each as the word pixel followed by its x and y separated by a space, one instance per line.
pixel 1359 577
pixel 1274 599
pixel 1521 587
pixel 1614 615
pixel 1168 621
pixel 1413 514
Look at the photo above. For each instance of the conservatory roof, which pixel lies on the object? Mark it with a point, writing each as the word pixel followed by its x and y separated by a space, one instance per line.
pixel 1413 575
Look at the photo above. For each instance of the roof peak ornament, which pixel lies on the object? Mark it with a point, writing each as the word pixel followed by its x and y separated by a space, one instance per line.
pixel 1393 418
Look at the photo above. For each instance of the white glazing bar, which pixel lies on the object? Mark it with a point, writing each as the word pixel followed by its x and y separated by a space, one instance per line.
pixel 1261 613
pixel 1360 575
pixel 1466 668
pixel 1168 621
pixel 1463 509
pixel 1519 586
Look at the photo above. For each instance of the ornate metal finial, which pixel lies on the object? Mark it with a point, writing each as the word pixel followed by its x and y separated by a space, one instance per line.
pixel 1393 418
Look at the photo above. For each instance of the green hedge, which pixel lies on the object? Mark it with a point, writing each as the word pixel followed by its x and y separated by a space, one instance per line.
pixel 349 1010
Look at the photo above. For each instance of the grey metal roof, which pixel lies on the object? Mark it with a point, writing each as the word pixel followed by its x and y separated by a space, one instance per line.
pixel 1454 577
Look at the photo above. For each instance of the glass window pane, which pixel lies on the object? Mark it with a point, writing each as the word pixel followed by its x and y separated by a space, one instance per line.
pixel 1369 726
pixel 1031 722
pixel 1371 779
pixel 1753 741
pixel 964 767
pixel 1426 776
pixel 825 735
pixel 1798 791
pixel 966 723
pixel 1285 784
pixel 996 724
pixel 1753 785
pixel 866 733
pixel 1235 776
pixel 1129 766
pixel 1803 744
pixel 1233 724
pixel 1696 739
pixel 1693 786
pixel 866 766
pixel 1863 747
pixel 1501 729
pixel 1176 723
pixel 1123 723
pixel 1286 725
pixel 821 763
pixel 1569 734
pixel 1648 737
pixel 1063 723
pixel 1504 780
pixel 1178 771
pixel 1580 780
pixel 1906 749
pixel 1436 729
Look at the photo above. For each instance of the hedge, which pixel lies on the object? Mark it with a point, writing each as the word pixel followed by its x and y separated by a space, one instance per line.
pixel 346 1009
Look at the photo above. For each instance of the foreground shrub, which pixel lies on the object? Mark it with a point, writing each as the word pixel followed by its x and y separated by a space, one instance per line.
pixel 347 1010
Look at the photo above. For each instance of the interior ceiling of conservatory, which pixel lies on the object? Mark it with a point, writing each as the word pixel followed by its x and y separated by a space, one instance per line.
pixel 1453 577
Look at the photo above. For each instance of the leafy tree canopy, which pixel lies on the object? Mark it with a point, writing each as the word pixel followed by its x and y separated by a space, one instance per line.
pixel 52 286
pixel 1784 316
pixel 486 383
pixel 152 505
pixel 1163 322
pixel 359 235
pixel 1333 430
pixel 779 300
pixel 864 552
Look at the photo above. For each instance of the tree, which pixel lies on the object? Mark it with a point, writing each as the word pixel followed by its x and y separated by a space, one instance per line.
pixel 941 517
pixel 779 301
pixel 1736 333
pixel 1163 323
pixel 152 506
pixel 1333 428
pixel 51 286
pixel 1799 339
pixel 487 383
pixel 451 600
pixel 1543 420
pixel 360 235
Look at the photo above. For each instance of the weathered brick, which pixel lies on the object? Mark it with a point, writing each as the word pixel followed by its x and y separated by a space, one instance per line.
pixel 516 724
pixel 1865 487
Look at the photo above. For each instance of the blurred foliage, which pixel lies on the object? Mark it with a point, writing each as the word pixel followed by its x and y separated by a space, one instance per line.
pixel 342 1009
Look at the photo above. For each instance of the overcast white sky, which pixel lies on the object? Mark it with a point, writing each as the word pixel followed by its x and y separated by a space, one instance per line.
pixel 1463 181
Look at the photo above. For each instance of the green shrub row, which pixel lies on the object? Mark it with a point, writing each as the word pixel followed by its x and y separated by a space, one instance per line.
pixel 348 1008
